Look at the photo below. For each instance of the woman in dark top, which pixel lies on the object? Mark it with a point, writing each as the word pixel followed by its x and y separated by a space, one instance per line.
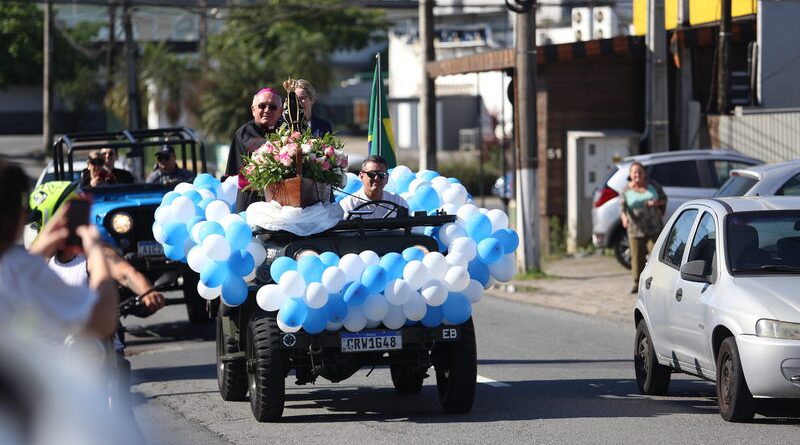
pixel 307 95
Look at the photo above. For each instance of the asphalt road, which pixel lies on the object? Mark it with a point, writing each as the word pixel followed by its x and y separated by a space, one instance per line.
pixel 546 376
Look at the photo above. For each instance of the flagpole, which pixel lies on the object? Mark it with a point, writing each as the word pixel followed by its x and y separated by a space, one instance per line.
pixel 379 108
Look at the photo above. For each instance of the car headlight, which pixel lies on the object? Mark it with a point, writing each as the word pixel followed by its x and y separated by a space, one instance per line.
pixel 122 223
pixel 778 329
pixel 305 252
pixel 424 249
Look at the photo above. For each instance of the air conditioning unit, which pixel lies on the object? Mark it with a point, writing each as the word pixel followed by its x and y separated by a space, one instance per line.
pixel 468 139
pixel 582 22
pixel 604 22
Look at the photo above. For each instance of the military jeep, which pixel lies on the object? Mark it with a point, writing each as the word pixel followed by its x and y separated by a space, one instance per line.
pixel 124 213
pixel 254 356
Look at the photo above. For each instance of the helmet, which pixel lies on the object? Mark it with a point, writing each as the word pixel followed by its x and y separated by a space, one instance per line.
pixel 47 198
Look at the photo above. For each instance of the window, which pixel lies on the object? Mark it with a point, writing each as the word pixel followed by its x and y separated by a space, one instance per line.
pixel 736 186
pixel 721 170
pixel 677 238
pixel 705 238
pixel 675 174
pixel 791 188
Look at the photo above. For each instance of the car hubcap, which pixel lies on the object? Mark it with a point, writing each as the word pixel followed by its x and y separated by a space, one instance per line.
pixel 643 350
pixel 725 382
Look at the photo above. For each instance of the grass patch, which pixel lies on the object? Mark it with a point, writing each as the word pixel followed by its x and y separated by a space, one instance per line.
pixel 534 274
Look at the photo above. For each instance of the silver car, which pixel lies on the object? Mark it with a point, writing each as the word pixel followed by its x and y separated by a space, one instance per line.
pixel 718 299
pixel 778 178
pixel 684 175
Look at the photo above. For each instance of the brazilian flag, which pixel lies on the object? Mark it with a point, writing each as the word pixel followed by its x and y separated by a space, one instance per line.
pixel 380 138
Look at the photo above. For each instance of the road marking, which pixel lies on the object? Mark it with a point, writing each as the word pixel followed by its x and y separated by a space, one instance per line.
pixel 490 382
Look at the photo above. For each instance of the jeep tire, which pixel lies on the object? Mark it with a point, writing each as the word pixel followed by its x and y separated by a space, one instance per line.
pixel 407 378
pixel 196 306
pixel 266 368
pixel 457 370
pixel 232 374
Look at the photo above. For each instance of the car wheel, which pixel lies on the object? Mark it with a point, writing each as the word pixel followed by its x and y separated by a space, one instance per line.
pixel 735 400
pixel 196 306
pixel 456 371
pixel 651 377
pixel 622 249
pixel 231 374
pixel 407 378
pixel 266 373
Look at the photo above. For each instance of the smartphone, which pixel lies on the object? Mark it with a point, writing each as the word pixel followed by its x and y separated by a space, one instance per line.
pixel 77 215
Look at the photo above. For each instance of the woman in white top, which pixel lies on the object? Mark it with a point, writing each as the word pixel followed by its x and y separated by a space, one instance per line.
pixel 32 297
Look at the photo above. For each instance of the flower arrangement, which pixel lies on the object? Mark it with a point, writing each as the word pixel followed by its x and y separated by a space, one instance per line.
pixel 322 158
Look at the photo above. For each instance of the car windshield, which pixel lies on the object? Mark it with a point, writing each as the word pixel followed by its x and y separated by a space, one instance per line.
pixel 736 186
pixel 764 242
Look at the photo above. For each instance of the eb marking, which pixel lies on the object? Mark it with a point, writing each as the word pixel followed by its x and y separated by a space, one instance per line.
pixel 449 334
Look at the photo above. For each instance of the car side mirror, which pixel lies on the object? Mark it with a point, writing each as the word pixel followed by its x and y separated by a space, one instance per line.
pixel 698 271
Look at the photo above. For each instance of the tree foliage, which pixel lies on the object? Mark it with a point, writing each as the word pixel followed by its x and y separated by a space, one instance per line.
pixel 264 44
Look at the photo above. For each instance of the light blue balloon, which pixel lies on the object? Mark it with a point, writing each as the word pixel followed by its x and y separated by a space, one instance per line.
pixel 195 219
pixel 214 273
pixel 479 271
pixel 490 250
pixel 193 195
pixel 243 214
pixel 414 205
pixel 310 268
pixel 293 312
pixel 175 234
pixel 238 235
pixel 316 320
pixel 453 181
pixel 393 263
pixel 329 259
pixel 508 238
pixel 234 291
pixel 433 317
pixel 241 263
pixel 390 187
pixel 169 197
pixel 336 308
pixel 427 197
pixel 479 226
pixel 403 182
pixel 353 184
pixel 374 278
pixel 413 253
pixel 211 228
pixel 174 253
pixel 355 294
pixel 204 203
pixel 457 308
pixel 205 180
pixel 281 265
pixel 339 198
pixel 428 175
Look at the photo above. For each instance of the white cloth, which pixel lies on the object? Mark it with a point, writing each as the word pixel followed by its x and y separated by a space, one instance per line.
pixel 300 221
pixel 31 292
pixel 359 197
pixel 73 272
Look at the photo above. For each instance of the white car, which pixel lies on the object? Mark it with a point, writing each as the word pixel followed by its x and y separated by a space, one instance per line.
pixel 719 299
pixel 778 178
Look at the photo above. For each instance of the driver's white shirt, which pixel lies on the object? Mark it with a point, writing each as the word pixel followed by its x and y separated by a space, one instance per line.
pixel 358 198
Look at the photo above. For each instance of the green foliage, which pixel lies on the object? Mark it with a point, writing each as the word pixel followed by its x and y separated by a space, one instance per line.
pixel 266 43
pixel 557 236
pixel 21 40
pixel 468 172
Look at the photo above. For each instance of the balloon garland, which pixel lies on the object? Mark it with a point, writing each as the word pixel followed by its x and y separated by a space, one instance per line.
pixel 196 224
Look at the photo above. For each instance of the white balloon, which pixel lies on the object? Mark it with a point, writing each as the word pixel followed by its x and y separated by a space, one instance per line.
pixel 333 278
pixel 163 214
pixel 440 184
pixel 450 209
pixel 197 259
pixel 369 258
pixel 292 284
pixel 257 250
pixel 182 209
pixel 195 232
pixel 316 295
pixel 216 247
pixel 285 328
pixel 372 324
pixel 397 291
pixel 474 291
pixel 455 195
pixel 464 213
pixel 483 210
pixel 375 307
pixel 436 264
pixel 457 259
pixel 230 218
pixel 434 292
pixel 415 308
pixel 416 183
pixel 415 274
pixel 251 276
pixel 206 193
pixel 400 171
pixel 503 270
pixel 184 187
pixel 449 232
pixel 465 245
pixel 158 233
pixel 355 319
pixel 228 191
pixel 333 326
pixel 270 297
pixel 456 279
pixel 406 195
pixel 352 265
pixel 498 218
pixel 209 293
pixel 394 319
pixel 216 210
pixel 187 246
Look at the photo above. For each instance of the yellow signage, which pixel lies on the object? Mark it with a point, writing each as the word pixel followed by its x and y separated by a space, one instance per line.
pixel 700 11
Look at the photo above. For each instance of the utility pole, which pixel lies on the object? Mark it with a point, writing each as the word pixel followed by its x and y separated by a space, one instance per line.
pixel 427 95
pixel 723 54
pixel 527 190
pixel 134 110
pixel 202 34
pixel 47 77
pixel 112 41
pixel 658 110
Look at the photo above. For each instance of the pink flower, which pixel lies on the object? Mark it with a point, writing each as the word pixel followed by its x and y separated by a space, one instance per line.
pixel 329 151
pixel 325 165
pixel 243 182
pixel 343 162
pixel 286 161
pixel 249 169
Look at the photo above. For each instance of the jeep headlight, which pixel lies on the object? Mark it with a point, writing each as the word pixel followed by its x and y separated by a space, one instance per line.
pixel 778 329
pixel 122 223
pixel 424 249
pixel 305 252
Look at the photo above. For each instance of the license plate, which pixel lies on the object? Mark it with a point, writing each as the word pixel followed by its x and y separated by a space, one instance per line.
pixel 150 248
pixel 371 341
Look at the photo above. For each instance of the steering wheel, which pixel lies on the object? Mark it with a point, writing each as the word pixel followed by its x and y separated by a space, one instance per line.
pixel 391 206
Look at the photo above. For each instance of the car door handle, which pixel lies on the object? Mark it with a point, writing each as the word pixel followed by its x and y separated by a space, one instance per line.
pixel 647 282
pixel 679 294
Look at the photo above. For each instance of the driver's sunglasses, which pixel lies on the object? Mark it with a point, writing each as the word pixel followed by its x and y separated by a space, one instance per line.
pixel 271 107
pixel 376 174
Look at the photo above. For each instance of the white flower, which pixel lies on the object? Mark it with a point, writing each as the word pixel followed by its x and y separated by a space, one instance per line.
pixel 306 148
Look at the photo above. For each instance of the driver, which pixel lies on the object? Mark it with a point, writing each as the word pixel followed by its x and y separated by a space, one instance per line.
pixel 374 176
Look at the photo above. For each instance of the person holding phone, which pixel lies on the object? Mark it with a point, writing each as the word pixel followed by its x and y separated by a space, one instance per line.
pixel 374 175
pixel 96 173
pixel 32 296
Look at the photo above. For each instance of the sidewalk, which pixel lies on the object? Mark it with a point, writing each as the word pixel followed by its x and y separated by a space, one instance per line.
pixel 594 285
